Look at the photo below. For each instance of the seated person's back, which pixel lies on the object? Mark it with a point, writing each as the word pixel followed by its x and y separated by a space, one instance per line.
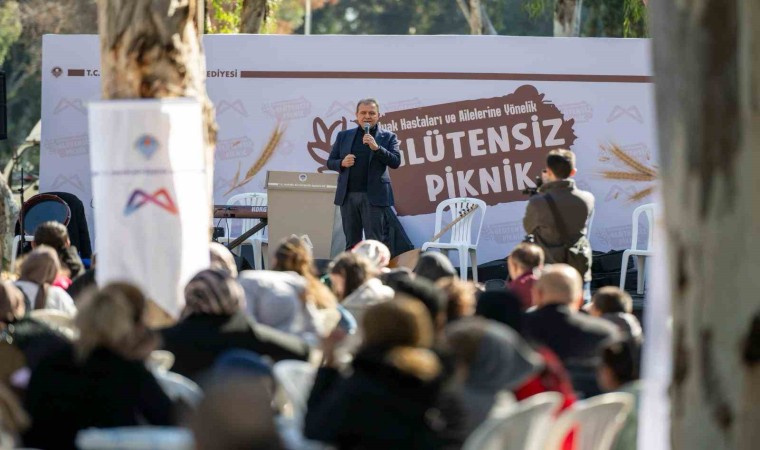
pixel 102 380
pixel 522 261
pixel 577 339
pixel 395 397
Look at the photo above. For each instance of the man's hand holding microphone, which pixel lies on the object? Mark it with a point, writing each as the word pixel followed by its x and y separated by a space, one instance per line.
pixel 369 140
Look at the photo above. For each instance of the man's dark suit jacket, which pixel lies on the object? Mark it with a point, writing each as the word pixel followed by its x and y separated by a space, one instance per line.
pixel 576 338
pixel 379 191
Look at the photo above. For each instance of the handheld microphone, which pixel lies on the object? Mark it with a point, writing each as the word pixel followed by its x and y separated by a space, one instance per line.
pixel 366 128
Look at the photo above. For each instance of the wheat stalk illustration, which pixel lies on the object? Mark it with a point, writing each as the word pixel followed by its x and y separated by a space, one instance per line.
pixel 616 175
pixel 642 194
pixel 640 172
pixel 631 162
pixel 266 154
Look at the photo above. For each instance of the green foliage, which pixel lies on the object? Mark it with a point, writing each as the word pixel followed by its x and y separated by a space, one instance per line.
pixel 24 58
pixel 511 17
pixel 271 24
pixel 538 8
pixel 224 16
pixel 10 27
pixel 635 22
pixel 422 17
pixel 614 18
pixel 601 18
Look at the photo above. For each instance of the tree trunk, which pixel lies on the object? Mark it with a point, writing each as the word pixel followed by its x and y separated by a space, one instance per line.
pixel 479 23
pixel 476 21
pixel 152 49
pixel 254 15
pixel 707 67
pixel 567 18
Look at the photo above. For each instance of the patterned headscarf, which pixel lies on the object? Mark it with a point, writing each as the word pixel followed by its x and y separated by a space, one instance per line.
pixel 213 292
pixel 222 259
pixel 375 251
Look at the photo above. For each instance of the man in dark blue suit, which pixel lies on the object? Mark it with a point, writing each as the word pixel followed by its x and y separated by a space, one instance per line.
pixel 362 156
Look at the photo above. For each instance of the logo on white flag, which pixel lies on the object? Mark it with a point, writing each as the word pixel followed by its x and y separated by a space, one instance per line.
pixel 160 198
pixel 147 145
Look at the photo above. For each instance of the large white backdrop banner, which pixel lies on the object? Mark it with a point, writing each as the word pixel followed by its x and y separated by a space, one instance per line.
pixel 475 116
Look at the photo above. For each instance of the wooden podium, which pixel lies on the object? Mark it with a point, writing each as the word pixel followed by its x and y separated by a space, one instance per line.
pixel 301 203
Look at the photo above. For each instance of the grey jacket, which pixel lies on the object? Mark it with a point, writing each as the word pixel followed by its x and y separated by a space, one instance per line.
pixel 575 207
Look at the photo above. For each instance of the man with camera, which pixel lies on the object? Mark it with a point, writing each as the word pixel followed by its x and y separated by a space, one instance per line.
pixel 557 217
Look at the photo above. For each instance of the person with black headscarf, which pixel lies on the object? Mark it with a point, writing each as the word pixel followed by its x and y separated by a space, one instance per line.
pixel 214 322
pixel 501 305
pixel 491 359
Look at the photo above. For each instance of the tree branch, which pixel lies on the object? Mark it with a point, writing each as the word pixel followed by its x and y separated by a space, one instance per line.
pixel 465 9
pixel 488 27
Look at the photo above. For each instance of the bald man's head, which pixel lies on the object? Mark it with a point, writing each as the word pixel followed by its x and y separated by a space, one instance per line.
pixel 558 284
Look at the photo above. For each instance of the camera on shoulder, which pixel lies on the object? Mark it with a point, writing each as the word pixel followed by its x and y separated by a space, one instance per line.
pixel 534 190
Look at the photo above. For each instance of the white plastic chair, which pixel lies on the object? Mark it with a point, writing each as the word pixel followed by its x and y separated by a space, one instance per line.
pixel 597 421
pixel 179 387
pixel 590 223
pixel 135 438
pixel 640 254
pixel 261 237
pixel 461 234
pixel 14 249
pixel 524 427
pixel 296 379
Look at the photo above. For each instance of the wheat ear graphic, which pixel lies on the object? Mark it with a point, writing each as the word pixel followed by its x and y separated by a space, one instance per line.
pixel 640 172
pixel 266 154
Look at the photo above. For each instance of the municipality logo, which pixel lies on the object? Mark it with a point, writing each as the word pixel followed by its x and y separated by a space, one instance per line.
pixel 147 145
pixel 160 198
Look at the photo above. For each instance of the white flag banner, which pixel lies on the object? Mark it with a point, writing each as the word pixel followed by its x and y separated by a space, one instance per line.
pixel 150 195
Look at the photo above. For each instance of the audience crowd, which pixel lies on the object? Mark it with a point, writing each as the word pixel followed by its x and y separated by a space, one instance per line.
pixel 402 359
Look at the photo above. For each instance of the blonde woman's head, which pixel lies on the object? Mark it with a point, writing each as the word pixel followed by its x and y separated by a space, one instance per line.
pixel 113 318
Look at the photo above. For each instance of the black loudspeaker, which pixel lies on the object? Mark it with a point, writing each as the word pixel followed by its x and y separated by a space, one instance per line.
pixel 3 111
